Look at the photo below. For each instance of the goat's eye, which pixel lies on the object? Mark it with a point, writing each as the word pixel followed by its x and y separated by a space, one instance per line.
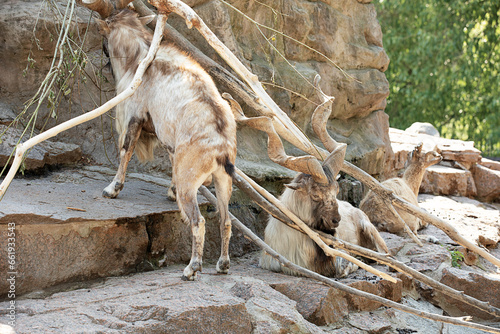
pixel 315 197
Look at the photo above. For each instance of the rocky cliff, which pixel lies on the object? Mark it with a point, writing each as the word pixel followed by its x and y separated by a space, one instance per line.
pixel 345 48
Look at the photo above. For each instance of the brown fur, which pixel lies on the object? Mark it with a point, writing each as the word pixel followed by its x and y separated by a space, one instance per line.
pixel 406 188
pixel 178 106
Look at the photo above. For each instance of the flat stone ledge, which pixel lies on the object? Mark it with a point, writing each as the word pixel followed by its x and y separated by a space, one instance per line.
pixel 66 231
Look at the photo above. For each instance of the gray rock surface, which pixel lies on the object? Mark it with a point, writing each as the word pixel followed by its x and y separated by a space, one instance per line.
pixel 47 153
pixel 66 231
pixel 57 244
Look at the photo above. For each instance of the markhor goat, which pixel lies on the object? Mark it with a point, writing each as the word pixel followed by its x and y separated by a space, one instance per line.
pixel 317 206
pixel 179 106
pixel 407 188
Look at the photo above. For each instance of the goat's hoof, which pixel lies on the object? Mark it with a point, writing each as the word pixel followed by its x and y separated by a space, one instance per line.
pixel 112 190
pixel 223 266
pixel 190 278
pixel 190 272
pixel 171 195
pixel 107 194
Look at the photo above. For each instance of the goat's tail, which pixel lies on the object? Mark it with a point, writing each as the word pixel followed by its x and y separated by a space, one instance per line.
pixel 225 161
pixel 144 148
pixel 372 238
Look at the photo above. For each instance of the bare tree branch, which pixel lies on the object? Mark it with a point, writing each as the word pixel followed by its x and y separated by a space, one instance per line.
pixel 307 273
pixel 136 82
pixel 287 129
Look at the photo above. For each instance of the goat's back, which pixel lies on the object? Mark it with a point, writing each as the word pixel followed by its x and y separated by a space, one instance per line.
pixel 176 94
pixel 355 227
pixel 380 214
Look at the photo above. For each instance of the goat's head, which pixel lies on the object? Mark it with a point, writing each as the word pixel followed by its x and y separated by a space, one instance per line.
pixel 122 19
pixel 321 197
pixel 424 159
pixel 112 18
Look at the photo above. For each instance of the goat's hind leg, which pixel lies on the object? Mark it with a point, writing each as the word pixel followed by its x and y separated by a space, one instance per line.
pixel 186 199
pixel 126 151
pixel 223 188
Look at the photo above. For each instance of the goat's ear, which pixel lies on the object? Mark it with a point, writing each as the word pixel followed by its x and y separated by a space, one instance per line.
pixel 103 27
pixel 295 186
pixel 146 19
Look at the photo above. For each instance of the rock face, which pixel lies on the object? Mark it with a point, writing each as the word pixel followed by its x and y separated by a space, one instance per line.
pixel 347 32
pixel 25 57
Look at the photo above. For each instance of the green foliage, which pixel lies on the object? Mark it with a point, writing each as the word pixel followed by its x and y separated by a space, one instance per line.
pixel 456 258
pixel 445 64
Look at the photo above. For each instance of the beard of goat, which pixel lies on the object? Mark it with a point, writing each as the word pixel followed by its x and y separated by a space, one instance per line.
pixel 177 105
pixel 317 206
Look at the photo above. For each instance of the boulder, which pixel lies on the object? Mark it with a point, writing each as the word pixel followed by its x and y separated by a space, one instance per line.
pixel 66 231
pixel 491 164
pixel 7 115
pixel 442 180
pixel 322 304
pixel 373 324
pixel 487 183
pixel 272 312
pixel 423 128
pixel 47 153
pixel 473 283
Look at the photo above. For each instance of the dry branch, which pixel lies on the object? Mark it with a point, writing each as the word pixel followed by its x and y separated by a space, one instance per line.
pixel 136 82
pixel 287 129
pixel 361 251
pixel 307 273
pixel 313 235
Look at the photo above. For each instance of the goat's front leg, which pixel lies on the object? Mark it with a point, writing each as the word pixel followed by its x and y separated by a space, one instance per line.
pixel 126 151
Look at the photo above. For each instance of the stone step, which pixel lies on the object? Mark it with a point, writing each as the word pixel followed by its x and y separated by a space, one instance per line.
pixel 66 231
